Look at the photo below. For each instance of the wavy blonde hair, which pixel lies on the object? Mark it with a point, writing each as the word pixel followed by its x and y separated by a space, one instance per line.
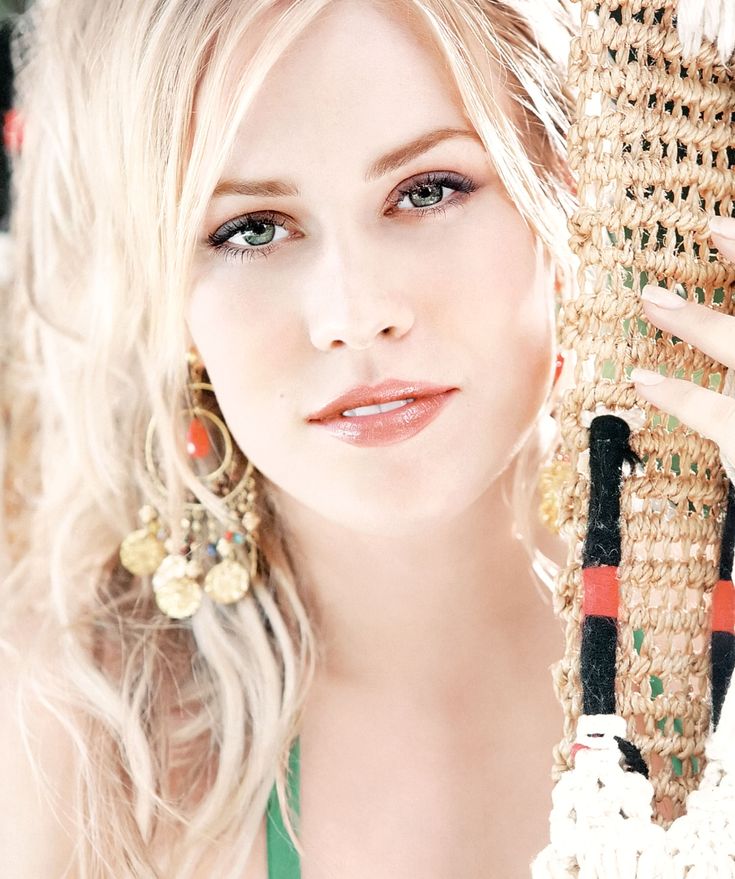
pixel 181 727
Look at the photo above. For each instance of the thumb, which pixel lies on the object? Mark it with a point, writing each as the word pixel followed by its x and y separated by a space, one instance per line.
pixel 723 235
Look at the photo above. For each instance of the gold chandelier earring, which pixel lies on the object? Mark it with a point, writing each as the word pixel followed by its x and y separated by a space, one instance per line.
pixel 216 559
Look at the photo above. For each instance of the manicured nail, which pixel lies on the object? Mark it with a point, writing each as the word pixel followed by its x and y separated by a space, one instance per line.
pixel 723 226
pixel 662 297
pixel 646 376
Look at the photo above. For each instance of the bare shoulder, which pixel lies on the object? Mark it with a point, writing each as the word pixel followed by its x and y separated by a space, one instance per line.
pixel 34 836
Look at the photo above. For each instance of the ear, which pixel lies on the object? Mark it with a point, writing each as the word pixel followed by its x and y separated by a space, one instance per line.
pixel 191 348
pixel 554 271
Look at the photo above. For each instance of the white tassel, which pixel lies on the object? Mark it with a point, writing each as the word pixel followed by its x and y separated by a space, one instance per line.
pixel 601 825
pixel 701 844
pixel 601 816
pixel 713 20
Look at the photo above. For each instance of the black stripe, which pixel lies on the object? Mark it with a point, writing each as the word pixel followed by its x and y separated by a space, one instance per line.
pixel 609 447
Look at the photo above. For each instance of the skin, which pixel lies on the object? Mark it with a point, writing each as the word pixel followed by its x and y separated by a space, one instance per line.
pixel 353 294
pixel 708 412
pixel 426 604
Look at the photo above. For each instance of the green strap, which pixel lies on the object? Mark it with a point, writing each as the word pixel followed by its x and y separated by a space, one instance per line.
pixel 283 859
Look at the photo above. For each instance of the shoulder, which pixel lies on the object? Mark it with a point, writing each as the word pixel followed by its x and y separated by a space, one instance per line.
pixel 35 832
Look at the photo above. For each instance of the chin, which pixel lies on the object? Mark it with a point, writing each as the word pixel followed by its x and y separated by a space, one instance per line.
pixel 406 513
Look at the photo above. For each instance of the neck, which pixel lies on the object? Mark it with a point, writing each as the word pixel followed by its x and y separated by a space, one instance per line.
pixel 447 605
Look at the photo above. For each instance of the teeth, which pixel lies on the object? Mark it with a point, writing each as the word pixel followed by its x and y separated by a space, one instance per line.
pixel 377 407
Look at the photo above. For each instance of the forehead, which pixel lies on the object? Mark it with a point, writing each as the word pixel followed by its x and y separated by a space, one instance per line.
pixel 360 78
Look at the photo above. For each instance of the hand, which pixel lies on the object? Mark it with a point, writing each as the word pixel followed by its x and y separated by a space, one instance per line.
pixel 708 412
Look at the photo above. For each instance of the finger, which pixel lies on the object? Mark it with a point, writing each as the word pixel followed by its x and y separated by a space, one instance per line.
pixel 703 410
pixel 709 330
pixel 722 232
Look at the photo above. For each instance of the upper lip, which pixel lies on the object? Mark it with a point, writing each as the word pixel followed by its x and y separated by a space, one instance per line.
pixel 387 391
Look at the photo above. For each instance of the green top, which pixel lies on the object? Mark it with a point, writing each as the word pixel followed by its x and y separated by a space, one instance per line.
pixel 283 859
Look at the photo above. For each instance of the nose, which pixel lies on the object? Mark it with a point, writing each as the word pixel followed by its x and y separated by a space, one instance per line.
pixel 353 307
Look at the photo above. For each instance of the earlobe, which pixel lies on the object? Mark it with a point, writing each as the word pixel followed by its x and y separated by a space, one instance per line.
pixel 553 270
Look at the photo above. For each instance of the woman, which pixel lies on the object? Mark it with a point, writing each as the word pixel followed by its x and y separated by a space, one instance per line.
pixel 312 201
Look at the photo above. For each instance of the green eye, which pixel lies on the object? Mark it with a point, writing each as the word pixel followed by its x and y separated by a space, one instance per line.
pixel 258 233
pixel 429 193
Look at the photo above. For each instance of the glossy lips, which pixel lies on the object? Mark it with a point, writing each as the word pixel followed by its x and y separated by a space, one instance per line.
pixel 383 428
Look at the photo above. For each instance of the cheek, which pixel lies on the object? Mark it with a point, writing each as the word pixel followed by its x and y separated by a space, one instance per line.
pixel 521 316
pixel 502 298
pixel 502 313
pixel 250 348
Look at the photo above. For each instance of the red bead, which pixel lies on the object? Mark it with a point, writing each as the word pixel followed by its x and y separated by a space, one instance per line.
pixel 559 366
pixel 197 439
pixel 228 535
pixel 12 131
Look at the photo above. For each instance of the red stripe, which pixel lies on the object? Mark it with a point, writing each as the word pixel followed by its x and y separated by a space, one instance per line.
pixel 601 591
pixel 723 607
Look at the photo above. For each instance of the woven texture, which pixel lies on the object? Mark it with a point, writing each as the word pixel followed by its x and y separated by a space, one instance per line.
pixel 652 147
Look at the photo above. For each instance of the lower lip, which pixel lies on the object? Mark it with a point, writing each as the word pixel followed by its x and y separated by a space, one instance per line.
pixel 385 428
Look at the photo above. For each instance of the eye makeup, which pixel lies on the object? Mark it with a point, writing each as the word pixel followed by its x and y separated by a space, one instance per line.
pixel 263 224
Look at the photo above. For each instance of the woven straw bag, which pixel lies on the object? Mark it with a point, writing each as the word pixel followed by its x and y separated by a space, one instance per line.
pixel 645 772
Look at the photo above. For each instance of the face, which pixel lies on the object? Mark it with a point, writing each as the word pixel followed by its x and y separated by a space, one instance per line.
pixel 416 268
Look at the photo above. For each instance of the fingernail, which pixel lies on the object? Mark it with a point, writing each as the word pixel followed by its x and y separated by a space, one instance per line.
pixel 724 227
pixel 662 297
pixel 646 376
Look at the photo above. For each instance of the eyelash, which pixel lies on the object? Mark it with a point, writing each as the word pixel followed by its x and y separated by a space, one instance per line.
pixel 218 240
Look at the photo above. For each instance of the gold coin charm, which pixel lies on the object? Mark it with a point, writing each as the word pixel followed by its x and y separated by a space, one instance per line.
pixel 227 581
pixel 179 598
pixel 177 594
pixel 141 552
pixel 552 479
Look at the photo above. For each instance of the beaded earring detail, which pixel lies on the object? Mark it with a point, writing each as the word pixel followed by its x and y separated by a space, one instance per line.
pixel 552 477
pixel 214 558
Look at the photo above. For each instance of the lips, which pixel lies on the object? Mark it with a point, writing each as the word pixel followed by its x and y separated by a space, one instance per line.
pixel 387 391
pixel 388 427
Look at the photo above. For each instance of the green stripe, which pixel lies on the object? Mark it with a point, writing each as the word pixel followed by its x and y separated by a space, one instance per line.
pixel 283 859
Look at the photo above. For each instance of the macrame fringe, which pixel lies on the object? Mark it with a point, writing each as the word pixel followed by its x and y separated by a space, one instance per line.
pixel 713 20
pixel 601 816
pixel 601 824
pixel 701 844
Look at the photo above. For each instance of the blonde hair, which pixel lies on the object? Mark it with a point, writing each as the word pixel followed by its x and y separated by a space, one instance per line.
pixel 181 726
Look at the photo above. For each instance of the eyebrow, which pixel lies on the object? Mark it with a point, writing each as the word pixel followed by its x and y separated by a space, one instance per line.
pixel 384 165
